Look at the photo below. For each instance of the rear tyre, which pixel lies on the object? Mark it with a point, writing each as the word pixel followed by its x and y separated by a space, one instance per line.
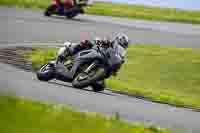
pixel 48 11
pixel 86 79
pixel 45 73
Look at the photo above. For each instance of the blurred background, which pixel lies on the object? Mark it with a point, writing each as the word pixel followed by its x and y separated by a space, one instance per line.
pixel 181 4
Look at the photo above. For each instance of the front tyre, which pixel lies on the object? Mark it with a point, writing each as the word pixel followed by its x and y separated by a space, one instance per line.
pixel 48 11
pixel 97 87
pixel 74 12
pixel 71 15
pixel 86 79
pixel 45 73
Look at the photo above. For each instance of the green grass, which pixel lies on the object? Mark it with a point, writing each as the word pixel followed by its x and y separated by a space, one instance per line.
pixel 40 56
pixel 25 116
pixel 167 75
pixel 143 12
pixel 120 10
pixel 35 4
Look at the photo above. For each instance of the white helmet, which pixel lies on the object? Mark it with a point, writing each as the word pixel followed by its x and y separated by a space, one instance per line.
pixel 122 40
pixel 67 44
pixel 97 41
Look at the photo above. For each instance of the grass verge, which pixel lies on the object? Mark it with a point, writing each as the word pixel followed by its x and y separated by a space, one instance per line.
pixel 25 116
pixel 167 75
pixel 144 12
pixel 35 4
pixel 120 10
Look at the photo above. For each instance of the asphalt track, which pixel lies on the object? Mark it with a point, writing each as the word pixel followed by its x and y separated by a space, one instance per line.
pixel 23 26
pixel 17 25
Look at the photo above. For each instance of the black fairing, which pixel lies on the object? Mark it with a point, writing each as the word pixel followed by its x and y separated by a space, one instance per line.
pixel 87 57
pixel 105 57
pixel 108 57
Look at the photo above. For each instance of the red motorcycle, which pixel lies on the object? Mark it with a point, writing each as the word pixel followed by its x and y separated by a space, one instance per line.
pixel 68 8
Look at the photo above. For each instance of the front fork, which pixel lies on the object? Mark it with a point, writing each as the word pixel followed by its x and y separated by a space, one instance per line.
pixel 93 65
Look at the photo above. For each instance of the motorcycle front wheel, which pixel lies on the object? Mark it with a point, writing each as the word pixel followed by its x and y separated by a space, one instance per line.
pixel 86 79
pixel 73 12
pixel 99 86
pixel 45 73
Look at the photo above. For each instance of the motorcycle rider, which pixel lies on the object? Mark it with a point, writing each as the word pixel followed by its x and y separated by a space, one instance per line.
pixel 71 3
pixel 67 3
pixel 63 6
pixel 71 49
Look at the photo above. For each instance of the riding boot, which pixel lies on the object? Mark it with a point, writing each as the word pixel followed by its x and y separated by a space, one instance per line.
pixel 64 74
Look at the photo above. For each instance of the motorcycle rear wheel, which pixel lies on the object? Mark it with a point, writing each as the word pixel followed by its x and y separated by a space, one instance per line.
pixel 48 11
pixel 45 73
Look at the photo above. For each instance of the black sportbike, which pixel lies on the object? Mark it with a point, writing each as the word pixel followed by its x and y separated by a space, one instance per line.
pixel 87 68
